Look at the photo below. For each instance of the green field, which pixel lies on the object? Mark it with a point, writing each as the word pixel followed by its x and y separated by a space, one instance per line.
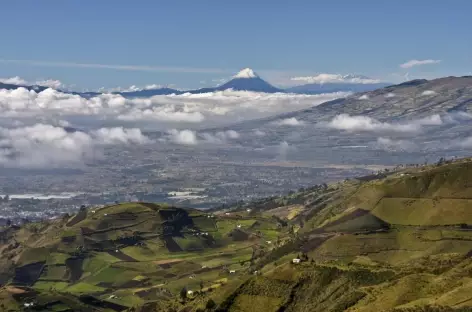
pixel 400 242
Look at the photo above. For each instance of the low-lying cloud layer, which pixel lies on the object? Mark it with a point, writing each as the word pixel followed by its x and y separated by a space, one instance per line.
pixel 43 145
pixel 365 123
pixel 158 112
pixel 190 137
pixel 50 83
pixel 294 122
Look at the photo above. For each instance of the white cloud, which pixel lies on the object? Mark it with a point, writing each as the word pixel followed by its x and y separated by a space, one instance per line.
pixel 231 134
pixel 433 120
pixel 388 144
pixel 44 146
pixel 390 95
pixel 428 92
pixel 290 122
pixel 413 63
pixel 50 83
pixel 183 137
pixel 134 88
pixel 364 123
pixel 259 133
pixel 161 112
pixel 120 135
pixel 336 78
pixel 14 81
pixel 364 97
pixel 220 137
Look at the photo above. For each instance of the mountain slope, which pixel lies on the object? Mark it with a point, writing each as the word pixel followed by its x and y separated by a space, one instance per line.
pixel 248 80
pixel 415 98
pixel 316 88
pixel 396 241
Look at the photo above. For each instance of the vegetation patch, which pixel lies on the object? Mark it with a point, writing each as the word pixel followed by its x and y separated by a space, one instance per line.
pixel 28 274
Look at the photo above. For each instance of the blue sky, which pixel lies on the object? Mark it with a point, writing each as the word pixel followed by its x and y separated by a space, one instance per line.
pixel 187 42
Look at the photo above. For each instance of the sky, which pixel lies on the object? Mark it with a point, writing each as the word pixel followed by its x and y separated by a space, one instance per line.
pixel 188 44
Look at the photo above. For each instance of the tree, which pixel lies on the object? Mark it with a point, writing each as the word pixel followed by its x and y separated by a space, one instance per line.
pixel 201 285
pixel 183 293
pixel 210 304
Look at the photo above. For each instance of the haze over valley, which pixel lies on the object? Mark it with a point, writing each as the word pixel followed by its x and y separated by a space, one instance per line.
pixel 218 146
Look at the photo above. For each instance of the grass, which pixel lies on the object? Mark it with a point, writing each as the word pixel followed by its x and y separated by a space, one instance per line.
pixel 424 211
pixel 32 255
pixel 189 242
pixel 47 286
pixel 98 261
pixel 57 258
pixel 54 273
pixel 112 275
pixel 248 303
pixel 83 288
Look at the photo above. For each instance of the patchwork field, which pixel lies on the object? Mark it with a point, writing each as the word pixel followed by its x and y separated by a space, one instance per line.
pixel 395 242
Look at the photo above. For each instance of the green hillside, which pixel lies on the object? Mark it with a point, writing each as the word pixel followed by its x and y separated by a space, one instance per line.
pixel 400 241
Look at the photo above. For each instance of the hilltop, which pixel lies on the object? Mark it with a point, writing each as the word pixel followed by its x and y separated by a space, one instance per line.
pixel 394 241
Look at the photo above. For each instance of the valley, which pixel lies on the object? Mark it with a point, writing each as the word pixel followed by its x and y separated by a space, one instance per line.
pixel 362 245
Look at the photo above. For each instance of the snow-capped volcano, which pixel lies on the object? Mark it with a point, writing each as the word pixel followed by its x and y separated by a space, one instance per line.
pixel 248 80
pixel 246 73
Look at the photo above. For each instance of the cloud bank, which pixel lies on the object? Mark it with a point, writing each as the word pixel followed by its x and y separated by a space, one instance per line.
pixel 158 112
pixel 183 137
pixel 336 78
pixel 294 122
pixel 365 124
pixel 50 83
pixel 42 145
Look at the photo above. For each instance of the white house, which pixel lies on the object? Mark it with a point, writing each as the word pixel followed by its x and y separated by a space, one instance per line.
pixel 239 226
pixel 296 260
pixel 269 242
pixel 232 271
pixel 189 292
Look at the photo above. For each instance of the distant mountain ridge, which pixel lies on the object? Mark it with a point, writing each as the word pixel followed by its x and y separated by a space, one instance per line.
pixel 244 80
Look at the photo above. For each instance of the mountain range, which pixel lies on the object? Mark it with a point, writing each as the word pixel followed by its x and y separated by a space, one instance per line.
pixel 245 80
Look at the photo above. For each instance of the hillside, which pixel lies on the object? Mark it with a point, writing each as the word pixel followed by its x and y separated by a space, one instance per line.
pixel 396 241
pixel 412 99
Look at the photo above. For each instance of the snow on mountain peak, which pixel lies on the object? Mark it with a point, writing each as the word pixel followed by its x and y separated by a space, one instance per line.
pixel 246 73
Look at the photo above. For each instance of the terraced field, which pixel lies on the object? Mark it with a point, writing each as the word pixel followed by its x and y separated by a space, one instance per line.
pixel 126 255
pixel 396 242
